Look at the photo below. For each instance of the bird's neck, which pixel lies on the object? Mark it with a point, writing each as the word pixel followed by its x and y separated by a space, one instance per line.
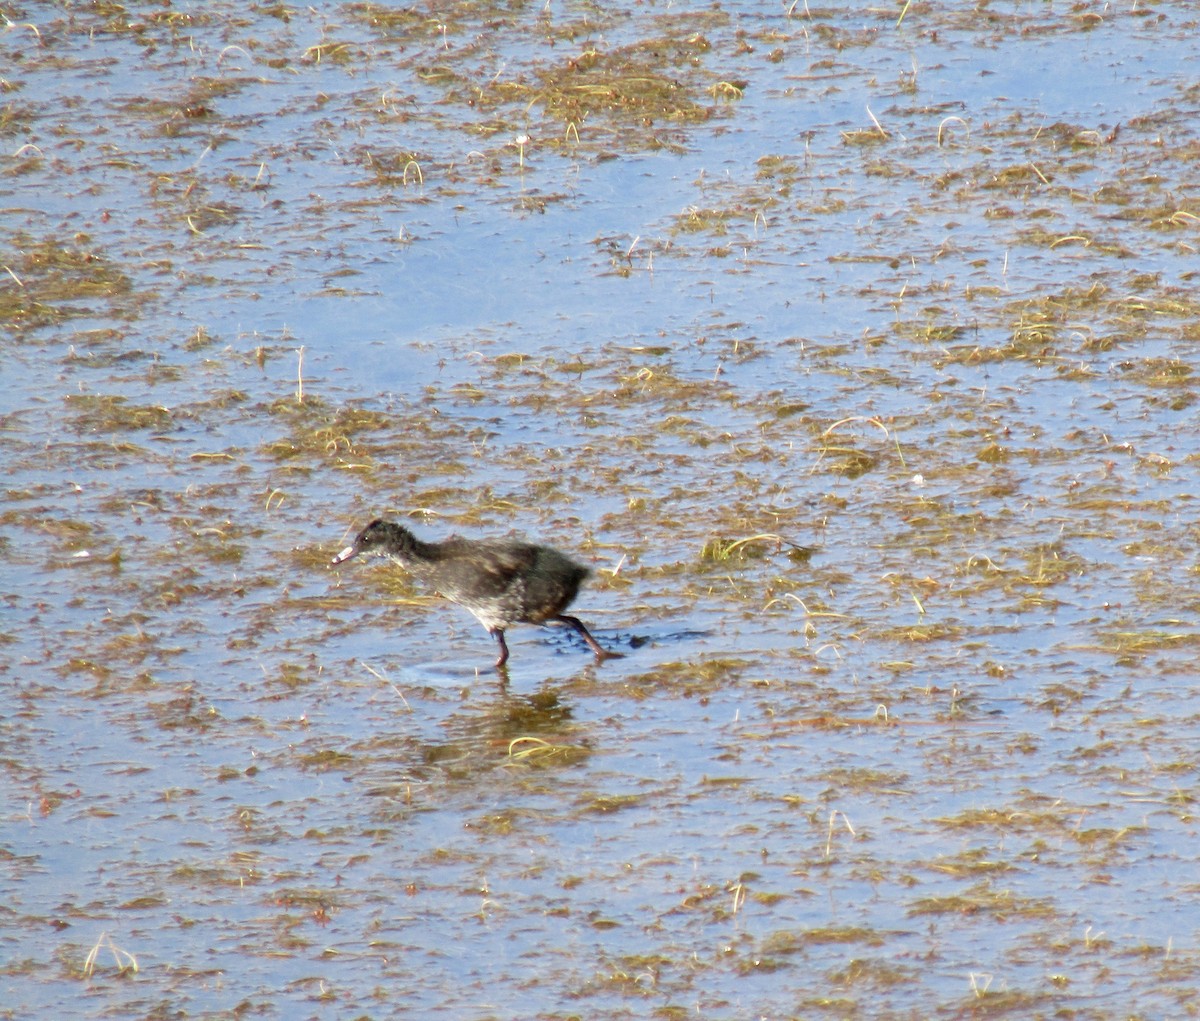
pixel 406 548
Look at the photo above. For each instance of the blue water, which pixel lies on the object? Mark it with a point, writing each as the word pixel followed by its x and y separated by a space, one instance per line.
pixel 288 789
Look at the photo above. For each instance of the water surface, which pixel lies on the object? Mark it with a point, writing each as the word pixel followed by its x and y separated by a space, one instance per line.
pixel 853 351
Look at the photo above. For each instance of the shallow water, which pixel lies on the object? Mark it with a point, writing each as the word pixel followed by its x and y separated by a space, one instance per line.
pixel 853 352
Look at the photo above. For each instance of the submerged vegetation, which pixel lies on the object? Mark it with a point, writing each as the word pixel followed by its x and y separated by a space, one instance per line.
pixel 852 352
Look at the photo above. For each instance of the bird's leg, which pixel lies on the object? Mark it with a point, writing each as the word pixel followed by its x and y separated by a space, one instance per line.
pixel 586 635
pixel 498 634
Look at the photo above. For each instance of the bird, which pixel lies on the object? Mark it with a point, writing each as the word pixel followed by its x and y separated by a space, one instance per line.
pixel 501 581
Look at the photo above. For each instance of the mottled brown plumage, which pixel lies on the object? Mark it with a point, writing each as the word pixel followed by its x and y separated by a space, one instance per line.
pixel 501 581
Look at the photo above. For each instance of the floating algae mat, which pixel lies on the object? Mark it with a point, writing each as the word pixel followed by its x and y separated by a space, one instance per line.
pixel 853 350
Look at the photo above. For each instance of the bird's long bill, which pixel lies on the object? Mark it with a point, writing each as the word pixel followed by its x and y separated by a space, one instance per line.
pixel 345 555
